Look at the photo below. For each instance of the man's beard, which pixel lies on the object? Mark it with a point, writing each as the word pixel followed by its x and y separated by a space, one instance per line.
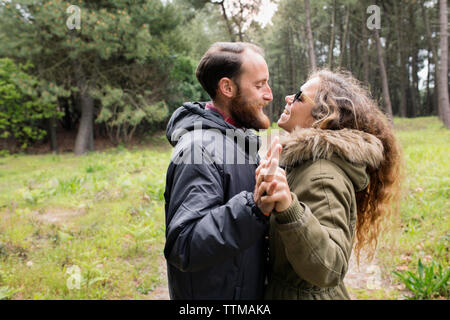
pixel 247 113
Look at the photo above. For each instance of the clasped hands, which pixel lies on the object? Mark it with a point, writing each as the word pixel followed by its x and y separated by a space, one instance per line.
pixel 271 189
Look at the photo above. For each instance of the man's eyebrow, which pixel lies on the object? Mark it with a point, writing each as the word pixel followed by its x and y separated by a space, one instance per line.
pixel 261 80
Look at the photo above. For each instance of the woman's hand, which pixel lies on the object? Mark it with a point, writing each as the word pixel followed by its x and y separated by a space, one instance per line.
pixel 265 170
pixel 274 194
pixel 272 190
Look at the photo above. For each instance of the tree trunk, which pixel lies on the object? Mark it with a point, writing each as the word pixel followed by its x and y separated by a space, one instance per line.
pixel 429 103
pixel 52 134
pixel 365 48
pixel 434 60
pixel 402 65
pixel 415 96
pixel 312 57
pixel 292 57
pixel 227 21
pixel 332 36
pixel 85 136
pixel 444 106
pixel 289 64
pixel 344 38
pixel 384 79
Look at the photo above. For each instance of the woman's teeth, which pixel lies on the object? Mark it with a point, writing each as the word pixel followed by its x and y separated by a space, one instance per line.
pixel 286 111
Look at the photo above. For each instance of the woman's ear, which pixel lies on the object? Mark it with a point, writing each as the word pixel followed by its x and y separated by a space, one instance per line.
pixel 227 87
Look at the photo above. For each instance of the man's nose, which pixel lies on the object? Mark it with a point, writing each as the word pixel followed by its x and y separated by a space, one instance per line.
pixel 268 94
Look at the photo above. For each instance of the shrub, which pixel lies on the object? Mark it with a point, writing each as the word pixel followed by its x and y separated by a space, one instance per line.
pixel 430 280
pixel 24 103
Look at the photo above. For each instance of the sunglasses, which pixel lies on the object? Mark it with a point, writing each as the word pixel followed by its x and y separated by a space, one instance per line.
pixel 300 96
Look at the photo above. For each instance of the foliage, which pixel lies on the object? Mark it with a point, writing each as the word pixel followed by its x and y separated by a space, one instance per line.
pixel 24 102
pixel 6 293
pixel 124 52
pixel 404 38
pixel 186 87
pixel 430 281
pixel 136 56
pixel 122 112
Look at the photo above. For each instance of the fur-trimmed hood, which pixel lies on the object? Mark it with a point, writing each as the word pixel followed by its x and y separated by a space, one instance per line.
pixel 352 150
pixel 355 146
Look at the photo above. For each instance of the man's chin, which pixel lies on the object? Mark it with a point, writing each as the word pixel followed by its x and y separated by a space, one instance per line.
pixel 262 123
pixel 266 123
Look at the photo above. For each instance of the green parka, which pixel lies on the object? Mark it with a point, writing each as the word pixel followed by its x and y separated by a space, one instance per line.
pixel 311 241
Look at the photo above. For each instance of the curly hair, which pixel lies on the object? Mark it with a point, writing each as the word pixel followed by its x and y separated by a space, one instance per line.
pixel 343 102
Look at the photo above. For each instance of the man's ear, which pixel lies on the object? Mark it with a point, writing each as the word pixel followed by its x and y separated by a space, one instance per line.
pixel 227 87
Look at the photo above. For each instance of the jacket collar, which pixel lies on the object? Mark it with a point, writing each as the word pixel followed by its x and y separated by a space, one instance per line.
pixel 351 150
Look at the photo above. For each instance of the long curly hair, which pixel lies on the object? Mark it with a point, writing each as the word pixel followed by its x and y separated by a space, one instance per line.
pixel 343 102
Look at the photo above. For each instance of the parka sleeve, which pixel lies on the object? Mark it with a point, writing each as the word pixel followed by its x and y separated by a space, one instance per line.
pixel 201 229
pixel 316 231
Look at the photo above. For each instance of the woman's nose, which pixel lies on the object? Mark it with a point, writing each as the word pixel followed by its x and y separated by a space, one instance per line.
pixel 289 99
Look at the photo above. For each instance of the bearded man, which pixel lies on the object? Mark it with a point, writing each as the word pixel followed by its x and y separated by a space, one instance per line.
pixel 215 233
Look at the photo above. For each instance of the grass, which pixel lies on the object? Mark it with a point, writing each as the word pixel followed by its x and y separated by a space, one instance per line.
pixel 102 213
pixel 423 232
pixel 92 227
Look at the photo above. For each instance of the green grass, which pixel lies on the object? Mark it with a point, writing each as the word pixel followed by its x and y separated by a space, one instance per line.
pixel 104 214
pixel 424 230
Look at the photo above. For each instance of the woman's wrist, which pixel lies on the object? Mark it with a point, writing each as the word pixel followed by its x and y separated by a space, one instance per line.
pixel 292 213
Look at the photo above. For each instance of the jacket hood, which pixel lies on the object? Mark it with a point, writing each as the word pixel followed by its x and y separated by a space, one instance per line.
pixel 193 115
pixel 189 114
pixel 351 150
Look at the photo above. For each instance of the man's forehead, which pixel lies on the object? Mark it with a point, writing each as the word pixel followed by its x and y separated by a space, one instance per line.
pixel 254 65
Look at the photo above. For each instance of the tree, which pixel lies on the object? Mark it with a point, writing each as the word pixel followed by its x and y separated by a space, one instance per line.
pixel 434 53
pixel 117 45
pixel 237 14
pixel 24 103
pixel 384 79
pixel 403 74
pixel 444 106
pixel 344 36
pixel 332 36
pixel 311 54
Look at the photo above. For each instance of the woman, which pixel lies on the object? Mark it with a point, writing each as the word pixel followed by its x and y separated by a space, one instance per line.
pixel 340 181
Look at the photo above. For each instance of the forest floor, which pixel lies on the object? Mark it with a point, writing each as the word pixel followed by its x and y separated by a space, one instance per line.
pixel 103 215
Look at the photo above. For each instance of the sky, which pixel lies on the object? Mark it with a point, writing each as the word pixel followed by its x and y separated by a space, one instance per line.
pixel 267 12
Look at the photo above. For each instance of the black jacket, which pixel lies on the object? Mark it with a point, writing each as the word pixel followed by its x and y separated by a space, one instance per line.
pixel 215 234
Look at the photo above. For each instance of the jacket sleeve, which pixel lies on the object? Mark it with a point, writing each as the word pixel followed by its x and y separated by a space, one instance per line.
pixel 202 230
pixel 316 232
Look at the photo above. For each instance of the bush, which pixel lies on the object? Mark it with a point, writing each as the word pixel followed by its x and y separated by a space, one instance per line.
pixel 429 281
pixel 122 112
pixel 24 103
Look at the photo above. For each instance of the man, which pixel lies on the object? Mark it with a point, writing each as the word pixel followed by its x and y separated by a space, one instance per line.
pixel 215 233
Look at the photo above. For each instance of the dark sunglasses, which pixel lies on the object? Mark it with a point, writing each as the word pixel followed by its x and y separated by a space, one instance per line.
pixel 299 96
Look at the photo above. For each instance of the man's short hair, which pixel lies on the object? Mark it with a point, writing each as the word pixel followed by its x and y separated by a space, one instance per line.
pixel 223 59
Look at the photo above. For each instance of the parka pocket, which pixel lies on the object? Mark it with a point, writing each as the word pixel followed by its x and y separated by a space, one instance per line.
pixel 322 177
